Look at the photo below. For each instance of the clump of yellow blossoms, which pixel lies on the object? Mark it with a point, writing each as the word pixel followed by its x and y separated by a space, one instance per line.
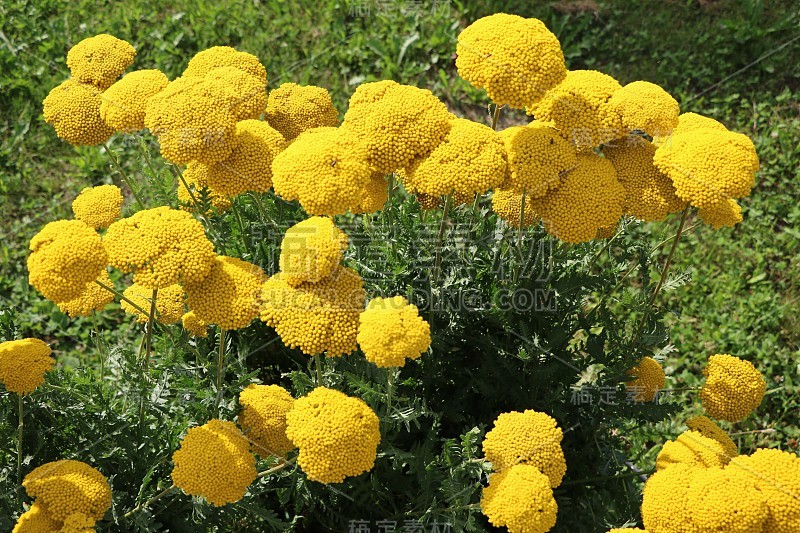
pixel 224 56
pixel 316 317
pixel 161 246
pixel 506 203
pixel 589 198
pixel 733 388
pixel 648 380
pixel 228 296
pixel 242 93
pixel 98 206
pixel 726 500
pixel 65 256
pixel 529 438
pixel 67 487
pixel 310 250
pixel 390 331
pixel 214 461
pixel 649 193
pixel 194 325
pixel 263 418
pixel 725 213
pixel 169 303
pixel 520 499
pixel 100 60
pixel 92 298
pixel 537 158
pixel 517 60
pixel 776 475
pixel 374 195
pixel 196 177
pixel 78 523
pixel 23 364
pixel 665 506
pixel 427 202
pixel 694 449
pixel 471 159
pixel 579 109
pixel 337 435
pixel 706 427
pixel 646 107
pixel 73 109
pixel 325 169
pixel 293 109
pixel 35 520
pixel 404 124
pixel 124 103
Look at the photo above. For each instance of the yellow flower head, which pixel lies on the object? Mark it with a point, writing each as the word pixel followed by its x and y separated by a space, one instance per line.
pixel 169 303
pixel 404 124
pixel 776 474
pixel 694 449
pixel 92 298
pixel 249 167
pixel 225 56
pixel 316 317
pixel 23 364
pixel 161 246
pixel 263 418
pixel 78 523
pixel 65 256
pixel 706 427
pixel 196 176
pixel 374 195
pixel 589 198
pixel 649 194
pixel 214 461
pixel 733 388
pixel 293 109
pixel 529 438
pixel 646 107
pixel 67 487
pixel 325 169
pixel 310 250
pixel 35 520
pixel 471 159
pixel 506 203
pixel 708 166
pixel 725 213
pixel 193 324
pixel 124 103
pixel 73 109
pixel 648 380
pixel 100 60
pixel 390 331
pixel 244 95
pixel 579 108
pixel 228 296
pixel 337 435
pixel 520 499
pixel 665 505
pixel 517 60
pixel 98 206
pixel 537 158
pixel 689 122
pixel 726 500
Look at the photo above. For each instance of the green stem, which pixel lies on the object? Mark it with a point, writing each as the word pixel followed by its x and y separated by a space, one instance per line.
pixel 122 297
pixel 150 322
pixel 519 235
pixel 100 347
pixel 220 370
pixel 278 468
pixel 437 266
pixel 125 177
pixel 240 222
pixel 496 116
pixel 149 502
pixel 146 154
pixel 389 389
pixel 19 439
pixel 318 366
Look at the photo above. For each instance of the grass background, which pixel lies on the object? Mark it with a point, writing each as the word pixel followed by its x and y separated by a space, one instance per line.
pixel 734 60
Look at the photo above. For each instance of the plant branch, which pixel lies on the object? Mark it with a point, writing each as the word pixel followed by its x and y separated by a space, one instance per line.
pixel 125 177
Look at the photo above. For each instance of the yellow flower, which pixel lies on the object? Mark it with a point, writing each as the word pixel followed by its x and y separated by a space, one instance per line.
pixel 78 523
pixel 391 330
pixel 65 256
pixel 325 169
pixel 665 506
pixel 228 296
pixel 471 159
pixel 225 56
pixel 646 107
pixel 776 474
pixel 589 198
pixel 374 195
pixel 529 438
pixel 428 202
pixel 404 124
pixel 733 388
pixel 196 176
pixel 92 298
pixel 316 317
pixel 73 109
pixel 161 246
pixel 537 158
pixel 35 520
pixel 100 60
pixel 726 500
pixel 649 194
pixel 214 461
pixel 169 303
pixel 517 60
pixel 725 213
pixel 245 95
pixel 98 206
pixel 506 203
pixel 520 499
pixel 263 418
pixel 293 109
pixel 337 435
pixel 689 122
pixel 23 364
pixel 123 104
pixel 579 108
pixel 67 487
pixel 311 250
pixel 694 449
pixel 195 326
pixel 706 427
pixel 649 379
